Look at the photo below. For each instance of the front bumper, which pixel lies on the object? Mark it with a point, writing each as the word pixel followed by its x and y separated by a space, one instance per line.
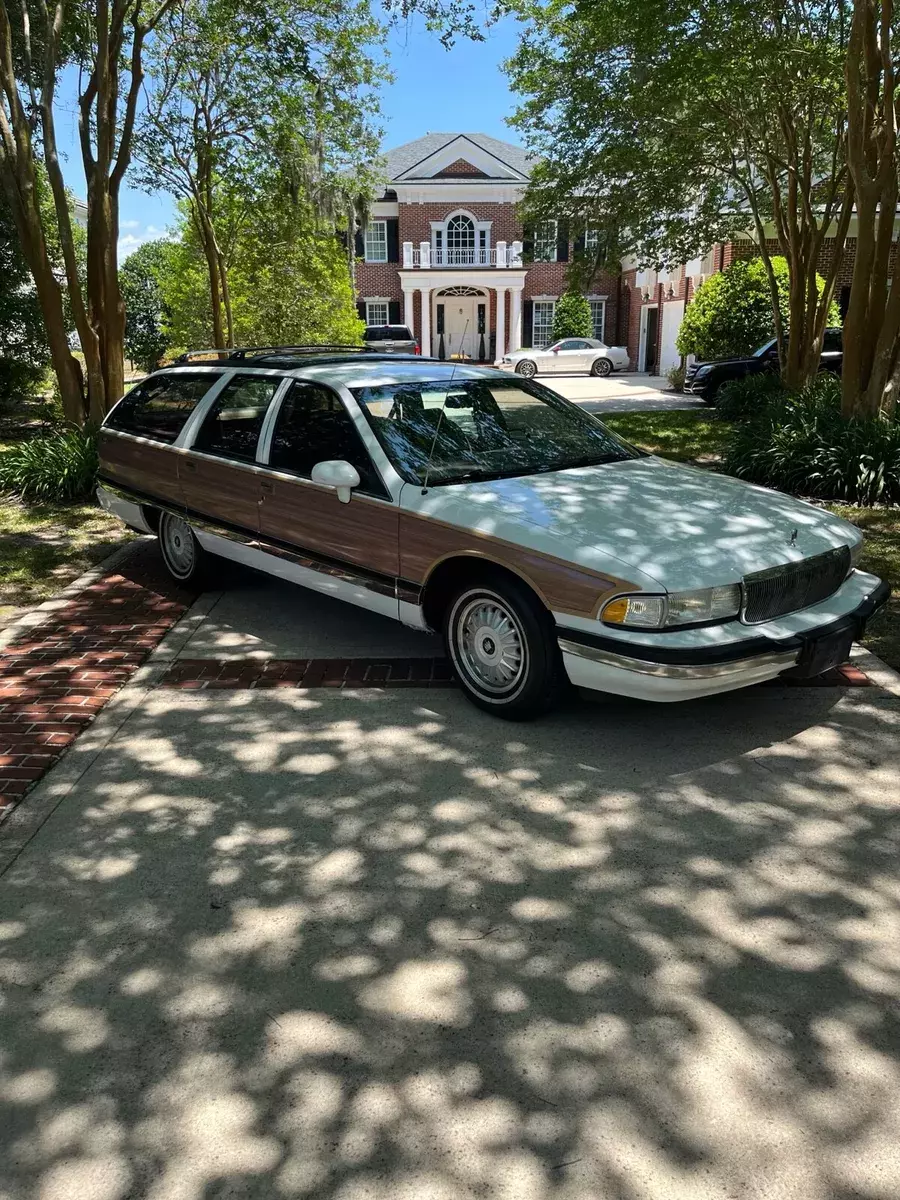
pixel 666 672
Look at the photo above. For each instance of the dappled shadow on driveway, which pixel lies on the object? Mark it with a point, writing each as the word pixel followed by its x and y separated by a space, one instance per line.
pixel 378 945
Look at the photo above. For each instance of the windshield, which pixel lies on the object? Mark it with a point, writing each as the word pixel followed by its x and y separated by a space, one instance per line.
pixel 764 348
pixel 490 428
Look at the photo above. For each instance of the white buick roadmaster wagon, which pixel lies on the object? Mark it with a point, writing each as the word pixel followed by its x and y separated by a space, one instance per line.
pixel 466 500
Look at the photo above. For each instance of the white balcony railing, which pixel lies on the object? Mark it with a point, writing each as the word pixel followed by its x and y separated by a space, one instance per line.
pixel 426 256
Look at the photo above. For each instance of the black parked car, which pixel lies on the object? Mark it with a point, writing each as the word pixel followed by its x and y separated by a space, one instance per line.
pixel 704 379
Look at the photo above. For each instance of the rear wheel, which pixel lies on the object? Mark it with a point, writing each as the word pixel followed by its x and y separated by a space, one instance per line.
pixel 501 644
pixel 526 368
pixel 601 367
pixel 185 559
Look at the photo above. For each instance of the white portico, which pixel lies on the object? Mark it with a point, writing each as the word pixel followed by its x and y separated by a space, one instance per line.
pixel 456 309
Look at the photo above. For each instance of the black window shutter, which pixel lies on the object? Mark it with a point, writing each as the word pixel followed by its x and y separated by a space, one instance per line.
pixel 360 245
pixel 341 235
pixel 562 241
pixel 528 243
pixel 527 321
pixel 393 240
pixel 394 312
pixel 579 244
pixel 361 309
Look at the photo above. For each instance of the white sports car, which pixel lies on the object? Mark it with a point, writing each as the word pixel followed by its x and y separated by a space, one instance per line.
pixel 571 355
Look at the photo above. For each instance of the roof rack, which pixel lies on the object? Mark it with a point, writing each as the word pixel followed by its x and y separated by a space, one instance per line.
pixel 243 353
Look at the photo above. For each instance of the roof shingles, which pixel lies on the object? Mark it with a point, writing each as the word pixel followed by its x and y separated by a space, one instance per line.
pixel 403 159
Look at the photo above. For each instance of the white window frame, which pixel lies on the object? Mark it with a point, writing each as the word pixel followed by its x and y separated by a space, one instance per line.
pixel 544 249
pixel 374 247
pixel 543 304
pixel 481 255
pixel 378 302
pixel 591 240
pixel 601 300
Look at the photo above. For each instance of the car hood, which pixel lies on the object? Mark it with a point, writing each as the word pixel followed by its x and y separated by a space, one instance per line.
pixel 647 520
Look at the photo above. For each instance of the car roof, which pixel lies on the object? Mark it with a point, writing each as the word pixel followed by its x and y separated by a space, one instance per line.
pixel 384 370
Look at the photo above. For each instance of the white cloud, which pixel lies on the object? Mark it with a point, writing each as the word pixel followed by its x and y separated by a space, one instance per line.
pixel 131 241
pixel 129 224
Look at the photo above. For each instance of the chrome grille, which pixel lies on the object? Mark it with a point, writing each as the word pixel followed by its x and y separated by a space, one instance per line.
pixel 787 589
pixel 690 373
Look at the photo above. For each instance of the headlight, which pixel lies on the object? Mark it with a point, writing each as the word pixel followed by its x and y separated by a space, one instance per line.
pixel 506 360
pixel 676 608
pixel 702 372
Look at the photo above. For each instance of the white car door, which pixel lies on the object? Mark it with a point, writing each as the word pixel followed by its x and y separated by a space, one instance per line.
pixel 570 355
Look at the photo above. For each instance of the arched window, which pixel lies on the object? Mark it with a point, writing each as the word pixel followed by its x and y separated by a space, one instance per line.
pixel 460 240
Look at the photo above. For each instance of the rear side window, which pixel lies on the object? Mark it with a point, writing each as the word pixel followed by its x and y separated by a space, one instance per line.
pixel 159 407
pixel 232 426
pixel 313 426
pixel 387 333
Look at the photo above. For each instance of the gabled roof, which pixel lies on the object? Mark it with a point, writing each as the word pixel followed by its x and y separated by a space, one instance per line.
pixel 428 157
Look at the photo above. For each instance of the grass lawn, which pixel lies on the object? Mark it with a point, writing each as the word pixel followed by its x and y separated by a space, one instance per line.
pixel 697 437
pixel 44 547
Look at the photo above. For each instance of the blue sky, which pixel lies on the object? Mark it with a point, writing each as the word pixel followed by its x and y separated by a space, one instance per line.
pixel 434 90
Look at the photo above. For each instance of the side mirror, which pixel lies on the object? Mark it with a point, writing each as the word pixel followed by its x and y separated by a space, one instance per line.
pixel 337 473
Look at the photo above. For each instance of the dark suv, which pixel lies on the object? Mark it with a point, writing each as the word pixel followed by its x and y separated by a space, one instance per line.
pixel 704 379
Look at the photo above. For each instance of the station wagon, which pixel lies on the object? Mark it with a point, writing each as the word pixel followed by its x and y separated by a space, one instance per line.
pixel 547 550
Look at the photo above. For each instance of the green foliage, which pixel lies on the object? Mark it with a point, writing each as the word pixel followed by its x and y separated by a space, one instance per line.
pixel 743 398
pixel 675 376
pixel 146 340
pixel 23 344
pixel 731 313
pixel 60 466
pixel 686 435
pixel 298 293
pixel 572 317
pixel 800 443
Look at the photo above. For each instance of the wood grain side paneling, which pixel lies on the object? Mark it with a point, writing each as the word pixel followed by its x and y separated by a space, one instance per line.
pixel 222 490
pixel 150 468
pixel 364 532
pixel 563 587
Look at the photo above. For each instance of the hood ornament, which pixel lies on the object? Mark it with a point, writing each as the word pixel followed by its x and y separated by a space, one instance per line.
pixel 793 539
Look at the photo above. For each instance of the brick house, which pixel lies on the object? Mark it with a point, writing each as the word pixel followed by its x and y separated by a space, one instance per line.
pixel 444 252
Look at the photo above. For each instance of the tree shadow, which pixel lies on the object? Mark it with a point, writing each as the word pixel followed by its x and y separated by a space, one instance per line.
pixel 347 945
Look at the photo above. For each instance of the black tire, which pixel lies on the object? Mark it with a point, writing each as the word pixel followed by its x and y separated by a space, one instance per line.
pixel 501 644
pixel 185 559
pixel 526 368
pixel 601 367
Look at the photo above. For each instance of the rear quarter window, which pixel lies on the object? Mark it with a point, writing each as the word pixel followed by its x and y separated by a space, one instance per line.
pixel 387 333
pixel 159 407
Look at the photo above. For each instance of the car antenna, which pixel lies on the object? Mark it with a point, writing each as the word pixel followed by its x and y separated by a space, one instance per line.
pixel 437 428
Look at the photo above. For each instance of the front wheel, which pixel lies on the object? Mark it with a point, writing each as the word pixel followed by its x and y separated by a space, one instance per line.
pixel 526 368
pixel 601 367
pixel 184 557
pixel 501 644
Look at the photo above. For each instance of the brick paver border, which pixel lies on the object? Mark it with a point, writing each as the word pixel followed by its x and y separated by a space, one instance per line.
pixel 196 674
pixel 56 676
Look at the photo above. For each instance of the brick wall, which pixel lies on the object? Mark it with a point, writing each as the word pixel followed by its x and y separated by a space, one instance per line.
pixel 379 279
pixel 415 220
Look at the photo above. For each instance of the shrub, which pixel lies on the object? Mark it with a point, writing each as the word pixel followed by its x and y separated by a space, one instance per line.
pixel 54 467
pixel 731 313
pixel 743 398
pixel 800 443
pixel 675 376
pixel 572 317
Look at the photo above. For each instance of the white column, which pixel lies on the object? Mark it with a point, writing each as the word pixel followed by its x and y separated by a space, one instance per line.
pixel 515 254
pixel 426 319
pixel 500 348
pixel 424 255
pixel 408 306
pixel 515 319
pixel 407 256
pixel 501 254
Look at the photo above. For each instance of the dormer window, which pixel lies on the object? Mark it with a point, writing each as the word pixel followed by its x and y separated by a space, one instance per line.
pixel 461 241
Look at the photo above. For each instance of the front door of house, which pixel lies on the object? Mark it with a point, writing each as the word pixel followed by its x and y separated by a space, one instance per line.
pixel 460 326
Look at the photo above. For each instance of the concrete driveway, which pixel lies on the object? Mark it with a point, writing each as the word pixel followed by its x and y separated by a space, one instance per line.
pixel 628 392
pixel 374 944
